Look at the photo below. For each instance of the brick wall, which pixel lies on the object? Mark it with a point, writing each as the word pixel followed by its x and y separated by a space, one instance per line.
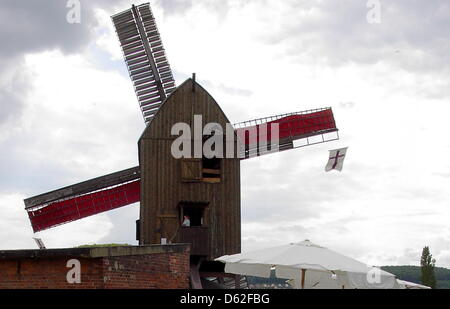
pixel 157 271
pixel 167 270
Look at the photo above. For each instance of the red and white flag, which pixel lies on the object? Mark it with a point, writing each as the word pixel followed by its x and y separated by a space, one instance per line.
pixel 336 159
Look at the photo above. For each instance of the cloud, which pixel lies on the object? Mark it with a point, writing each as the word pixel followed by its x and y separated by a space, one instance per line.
pixel 18 234
pixel 30 26
pixel 17 223
pixel 410 39
pixel 14 86
pixel 347 104
pixel 175 6
pixel 54 103
pixel 124 222
pixel 73 130
pixel 373 239
pixel 180 7
pixel 411 33
pixel 229 90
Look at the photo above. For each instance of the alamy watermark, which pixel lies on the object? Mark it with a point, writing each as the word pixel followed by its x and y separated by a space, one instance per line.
pixel 74 274
pixel 214 141
pixel 374 14
pixel 374 276
pixel 74 14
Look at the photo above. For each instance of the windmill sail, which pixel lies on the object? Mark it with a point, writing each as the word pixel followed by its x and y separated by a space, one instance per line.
pixel 84 199
pixel 153 82
pixel 145 57
pixel 285 131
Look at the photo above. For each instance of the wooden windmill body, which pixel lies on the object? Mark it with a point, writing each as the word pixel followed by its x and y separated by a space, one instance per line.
pixel 172 188
pixel 167 187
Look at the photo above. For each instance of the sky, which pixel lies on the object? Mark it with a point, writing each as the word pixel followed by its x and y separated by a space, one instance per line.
pixel 68 113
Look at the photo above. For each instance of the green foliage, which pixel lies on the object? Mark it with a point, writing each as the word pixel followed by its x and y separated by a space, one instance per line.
pixel 413 274
pixel 427 264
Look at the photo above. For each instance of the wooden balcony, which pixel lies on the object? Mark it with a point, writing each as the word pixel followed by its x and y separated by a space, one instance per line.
pixel 197 236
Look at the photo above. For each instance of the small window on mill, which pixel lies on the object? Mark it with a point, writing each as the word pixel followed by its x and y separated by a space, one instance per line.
pixel 211 168
pixel 193 214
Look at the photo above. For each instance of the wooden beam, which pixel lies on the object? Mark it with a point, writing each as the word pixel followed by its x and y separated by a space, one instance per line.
pixel 237 282
pixel 195 277
pixel 85 187
pixel 209 274
pixel 211 171
pixel 167 216
pixel 303 278
pixel 211 180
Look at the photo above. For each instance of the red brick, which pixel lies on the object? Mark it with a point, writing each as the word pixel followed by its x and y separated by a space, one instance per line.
pixel 162 271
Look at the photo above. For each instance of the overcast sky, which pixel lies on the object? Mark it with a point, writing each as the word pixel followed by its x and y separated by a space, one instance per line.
pixel 68 113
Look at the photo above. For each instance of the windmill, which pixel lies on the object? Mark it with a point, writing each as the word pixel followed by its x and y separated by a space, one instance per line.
pixel 205 189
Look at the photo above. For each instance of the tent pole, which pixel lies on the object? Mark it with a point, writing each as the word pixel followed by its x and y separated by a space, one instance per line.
pixel 303 278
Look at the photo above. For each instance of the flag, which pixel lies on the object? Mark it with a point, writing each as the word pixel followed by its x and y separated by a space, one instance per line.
pixel 336 159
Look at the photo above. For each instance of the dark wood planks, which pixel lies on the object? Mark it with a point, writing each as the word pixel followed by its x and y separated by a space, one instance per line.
pixel 162 188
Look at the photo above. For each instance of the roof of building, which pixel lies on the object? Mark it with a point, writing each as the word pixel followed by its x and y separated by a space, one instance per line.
pixel 92 252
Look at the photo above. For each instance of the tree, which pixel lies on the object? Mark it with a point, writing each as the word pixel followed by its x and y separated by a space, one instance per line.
pixel 427 268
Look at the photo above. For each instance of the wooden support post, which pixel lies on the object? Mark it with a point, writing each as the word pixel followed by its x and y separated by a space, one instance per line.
pixel 195 277
pixel 237 282
pixel 303 278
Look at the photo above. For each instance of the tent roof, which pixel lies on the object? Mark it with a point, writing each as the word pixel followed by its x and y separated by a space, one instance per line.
pixel 301 255
pixel 292 260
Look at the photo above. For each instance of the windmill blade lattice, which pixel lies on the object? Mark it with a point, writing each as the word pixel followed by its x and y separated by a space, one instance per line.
pixel 256 137
pixel 84 199
pixel 145 57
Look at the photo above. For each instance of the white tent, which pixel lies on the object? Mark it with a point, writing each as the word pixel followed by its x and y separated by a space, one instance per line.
pixel 309 266
pixel 411 285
